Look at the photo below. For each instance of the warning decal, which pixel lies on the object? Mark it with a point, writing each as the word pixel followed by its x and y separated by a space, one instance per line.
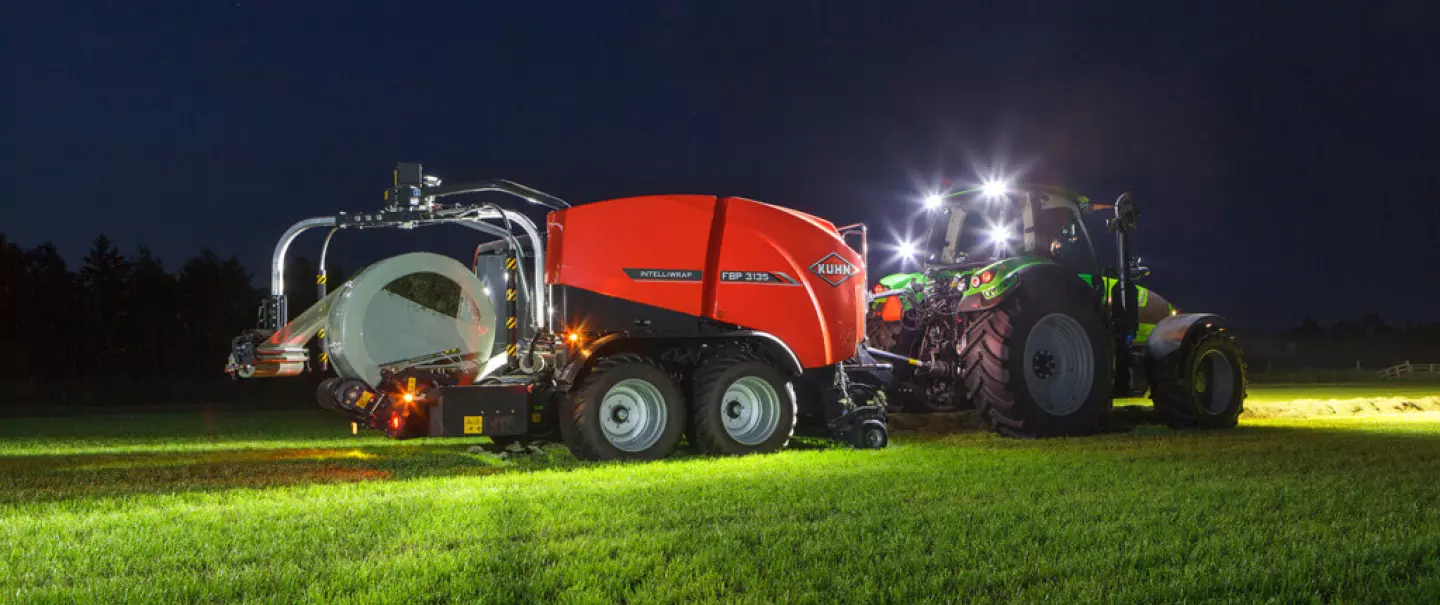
pixel 474 425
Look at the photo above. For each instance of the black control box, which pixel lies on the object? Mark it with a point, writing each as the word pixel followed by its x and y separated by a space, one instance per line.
pixel 492 410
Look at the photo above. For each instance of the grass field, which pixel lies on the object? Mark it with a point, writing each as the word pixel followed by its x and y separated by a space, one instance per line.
pixel 288 507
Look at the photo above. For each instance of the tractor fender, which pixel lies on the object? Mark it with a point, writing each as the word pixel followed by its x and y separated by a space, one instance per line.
pixel 579 365
pixel 1008 274
pixel 1173 332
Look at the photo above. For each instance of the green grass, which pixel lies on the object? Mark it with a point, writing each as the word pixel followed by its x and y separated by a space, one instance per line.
pixel 288 507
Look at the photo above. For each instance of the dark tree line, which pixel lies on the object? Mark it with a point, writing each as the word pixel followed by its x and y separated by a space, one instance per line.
pixel 1369 343
pixel 125 329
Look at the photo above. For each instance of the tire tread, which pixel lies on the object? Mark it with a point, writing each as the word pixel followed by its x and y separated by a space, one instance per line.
pixel 987 352
pixel 1170 386
pixel 572 415
pixel 709 432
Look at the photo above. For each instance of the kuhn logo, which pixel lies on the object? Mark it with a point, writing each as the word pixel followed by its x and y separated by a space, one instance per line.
pixel 833 269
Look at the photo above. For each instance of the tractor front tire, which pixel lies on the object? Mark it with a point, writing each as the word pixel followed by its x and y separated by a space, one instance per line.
pixel 1039 363
pixel 1202 385
pixel 743 405
pixel 627 408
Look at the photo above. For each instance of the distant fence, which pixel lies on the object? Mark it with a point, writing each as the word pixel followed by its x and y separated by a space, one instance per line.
pixel 1402 369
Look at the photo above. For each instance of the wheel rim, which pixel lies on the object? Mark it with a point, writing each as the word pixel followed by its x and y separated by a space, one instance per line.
pixel 750 410
pixel 1214 381
pixel 633 415
pixel 873 437
pixel 1059 364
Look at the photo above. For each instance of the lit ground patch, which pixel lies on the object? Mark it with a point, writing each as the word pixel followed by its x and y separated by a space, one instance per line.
pixel 1325 509
pixel 1313 408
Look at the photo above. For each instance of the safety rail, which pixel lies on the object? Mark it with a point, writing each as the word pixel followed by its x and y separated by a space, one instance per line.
pixel 1402 369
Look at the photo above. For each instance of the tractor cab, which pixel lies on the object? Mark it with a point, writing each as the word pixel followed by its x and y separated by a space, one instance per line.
pixel 978 226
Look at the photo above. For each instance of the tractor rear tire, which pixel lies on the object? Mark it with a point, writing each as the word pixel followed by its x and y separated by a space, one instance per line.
pixel 627 408
pixel 1203 385
pixel 1039 363
pixel 742 405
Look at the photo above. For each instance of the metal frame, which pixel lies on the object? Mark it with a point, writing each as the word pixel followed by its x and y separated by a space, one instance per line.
pixel 474 217
pixel 864 232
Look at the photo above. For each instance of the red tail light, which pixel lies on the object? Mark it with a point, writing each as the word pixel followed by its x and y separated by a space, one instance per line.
pixel 395 421
pixel 986 276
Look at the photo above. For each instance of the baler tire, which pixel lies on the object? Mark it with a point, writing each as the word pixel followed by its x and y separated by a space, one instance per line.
pixel 1179 399
pixel 714 381
pixel 993 368
pixel 580 421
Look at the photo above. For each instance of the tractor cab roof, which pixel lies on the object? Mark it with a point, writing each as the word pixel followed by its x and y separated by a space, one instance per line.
pixel 1047 196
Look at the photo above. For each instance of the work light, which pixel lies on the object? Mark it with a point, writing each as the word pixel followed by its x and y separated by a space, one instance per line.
pixel 994 189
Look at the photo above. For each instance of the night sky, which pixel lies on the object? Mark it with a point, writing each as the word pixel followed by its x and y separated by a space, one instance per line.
pixel 1284 154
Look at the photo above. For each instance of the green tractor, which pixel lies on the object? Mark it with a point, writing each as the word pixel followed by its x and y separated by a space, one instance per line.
pixel 1012 313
